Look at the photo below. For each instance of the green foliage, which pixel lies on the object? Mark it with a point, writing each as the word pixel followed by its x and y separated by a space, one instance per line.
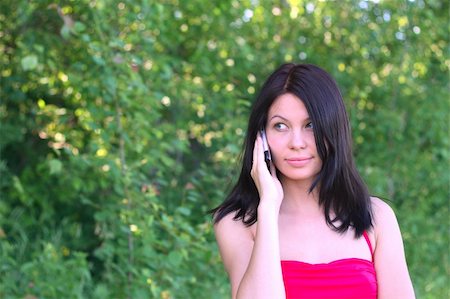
pixel 121 125
pixel 47 275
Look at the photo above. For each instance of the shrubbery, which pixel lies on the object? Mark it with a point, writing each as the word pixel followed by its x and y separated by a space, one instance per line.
pixel 121 126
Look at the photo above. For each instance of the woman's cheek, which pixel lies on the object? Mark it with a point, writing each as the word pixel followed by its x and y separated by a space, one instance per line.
pixel 276 158
pixel 274 146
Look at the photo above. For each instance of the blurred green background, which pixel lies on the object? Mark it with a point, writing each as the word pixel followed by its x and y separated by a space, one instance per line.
pixel 122 123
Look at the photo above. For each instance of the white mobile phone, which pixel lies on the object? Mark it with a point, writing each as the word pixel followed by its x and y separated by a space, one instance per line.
pixel 267 156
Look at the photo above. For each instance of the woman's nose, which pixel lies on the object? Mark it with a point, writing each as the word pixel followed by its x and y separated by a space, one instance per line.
pixel 297 140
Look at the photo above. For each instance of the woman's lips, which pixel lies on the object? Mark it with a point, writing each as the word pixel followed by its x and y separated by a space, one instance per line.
pixel 298 161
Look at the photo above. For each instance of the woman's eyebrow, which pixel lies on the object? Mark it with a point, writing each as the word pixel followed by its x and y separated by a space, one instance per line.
pixel 276 115
pixel 284 118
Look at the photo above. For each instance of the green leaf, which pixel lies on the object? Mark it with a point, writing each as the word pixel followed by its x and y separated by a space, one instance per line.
pixel 79 27
pixel 55 166
pixel 175 258
pixel 65 31
pixel 29 62
pixel 184 211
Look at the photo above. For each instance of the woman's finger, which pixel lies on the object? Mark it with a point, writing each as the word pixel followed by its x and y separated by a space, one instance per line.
pixel 255 153
pixel 273 169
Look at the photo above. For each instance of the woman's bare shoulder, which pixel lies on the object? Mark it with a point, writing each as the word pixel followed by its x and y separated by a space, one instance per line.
pixel 381 210
pixel 235 241
pixel 384 218
pixel 232 227
pixel 390 263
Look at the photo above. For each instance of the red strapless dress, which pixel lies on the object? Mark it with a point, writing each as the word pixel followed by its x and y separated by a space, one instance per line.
pixel 346 278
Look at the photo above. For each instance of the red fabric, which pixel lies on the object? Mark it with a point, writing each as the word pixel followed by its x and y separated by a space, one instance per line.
pixel 346 278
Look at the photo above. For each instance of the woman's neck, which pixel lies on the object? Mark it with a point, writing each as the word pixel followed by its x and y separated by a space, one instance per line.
pixel 297 198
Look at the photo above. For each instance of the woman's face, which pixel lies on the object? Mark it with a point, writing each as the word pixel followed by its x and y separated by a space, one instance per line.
pixel 291 139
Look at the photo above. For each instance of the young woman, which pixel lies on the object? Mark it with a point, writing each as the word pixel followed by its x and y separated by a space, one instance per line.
pixel 306 228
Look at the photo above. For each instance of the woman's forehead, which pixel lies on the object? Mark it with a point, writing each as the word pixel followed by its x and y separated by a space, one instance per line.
pixel 288 106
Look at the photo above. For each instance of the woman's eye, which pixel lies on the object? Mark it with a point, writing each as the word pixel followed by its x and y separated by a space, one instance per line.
pixel 310 125
pixel 280 126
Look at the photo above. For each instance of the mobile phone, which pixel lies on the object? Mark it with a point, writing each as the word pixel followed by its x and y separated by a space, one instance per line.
pixel 267 156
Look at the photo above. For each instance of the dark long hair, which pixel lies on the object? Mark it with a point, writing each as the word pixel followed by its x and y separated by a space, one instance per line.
pixel 342 192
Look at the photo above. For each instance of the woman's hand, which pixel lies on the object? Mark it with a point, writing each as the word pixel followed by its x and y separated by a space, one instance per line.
pixel 269 187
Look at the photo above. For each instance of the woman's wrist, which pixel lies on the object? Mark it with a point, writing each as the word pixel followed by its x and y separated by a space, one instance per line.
pixel 268 207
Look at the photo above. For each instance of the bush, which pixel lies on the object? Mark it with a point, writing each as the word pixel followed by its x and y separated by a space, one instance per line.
pixel 122 122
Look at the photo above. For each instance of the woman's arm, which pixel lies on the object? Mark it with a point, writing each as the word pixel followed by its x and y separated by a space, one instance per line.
pixel 253 263
pixel 390 262
pixel 253 266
